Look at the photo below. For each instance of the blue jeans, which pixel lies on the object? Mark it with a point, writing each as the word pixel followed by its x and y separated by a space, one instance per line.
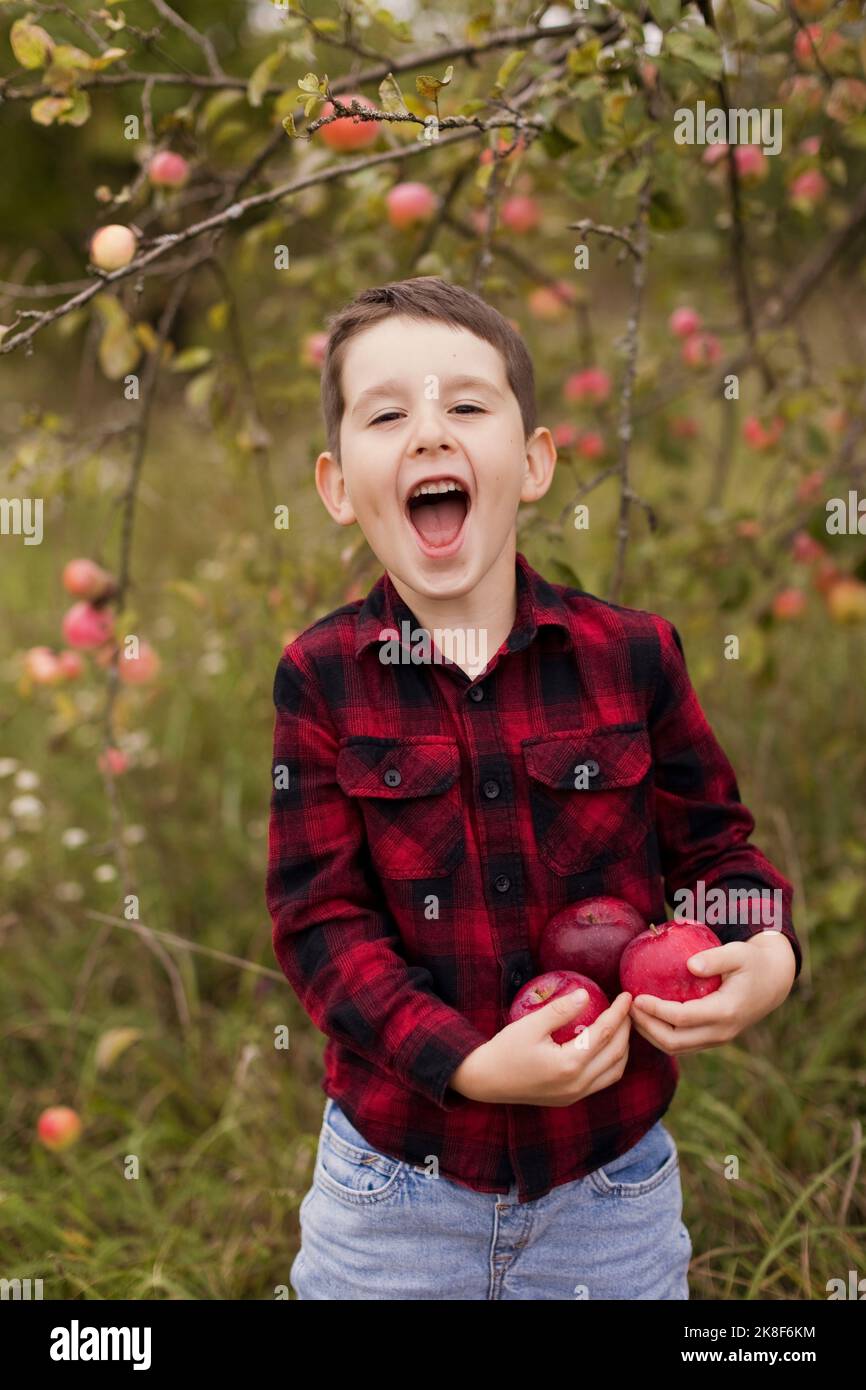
pixel 373 1227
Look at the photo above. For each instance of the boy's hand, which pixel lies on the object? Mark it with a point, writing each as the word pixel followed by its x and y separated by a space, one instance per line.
pixel 522 1065
pixel 757 976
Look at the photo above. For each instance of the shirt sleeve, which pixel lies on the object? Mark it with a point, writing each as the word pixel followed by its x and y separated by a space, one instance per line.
pixel 339 949
pixel 702 826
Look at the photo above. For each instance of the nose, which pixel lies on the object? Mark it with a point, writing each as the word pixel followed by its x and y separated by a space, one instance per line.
pixel 430 435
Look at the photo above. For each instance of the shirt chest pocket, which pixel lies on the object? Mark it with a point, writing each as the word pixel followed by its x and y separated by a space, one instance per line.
pixel 590 795
pixel 409 794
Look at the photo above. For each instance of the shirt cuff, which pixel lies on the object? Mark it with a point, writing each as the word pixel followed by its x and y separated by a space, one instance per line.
pixel 745 930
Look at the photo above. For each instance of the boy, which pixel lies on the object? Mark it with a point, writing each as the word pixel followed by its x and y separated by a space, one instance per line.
pixel 431 814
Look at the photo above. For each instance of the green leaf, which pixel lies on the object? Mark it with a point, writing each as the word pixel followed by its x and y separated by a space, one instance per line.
pixel 582 60
pixel 119 351
pixel 429 87
pixel 397 28
pixel 699 47
pixel 70 58
pixel 31 44
pixel 479 26
pixel 191 359
pixel 666 12
pixel 391 97
pixel 216 107
pixel 309 83
pixel 260 78
pixel 289 126
pixel 77 110
pixel 556 143
pixel 471 108
pixel 507 70
pixel 630 183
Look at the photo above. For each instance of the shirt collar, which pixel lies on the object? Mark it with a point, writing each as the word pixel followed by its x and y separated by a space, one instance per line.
pixel 538 606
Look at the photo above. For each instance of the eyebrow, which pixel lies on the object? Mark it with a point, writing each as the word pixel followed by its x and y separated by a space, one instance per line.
pixel 394 388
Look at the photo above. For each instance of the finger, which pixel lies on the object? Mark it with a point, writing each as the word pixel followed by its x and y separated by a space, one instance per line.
pixel 694 1013
pixel 718 960
pixel 677 1040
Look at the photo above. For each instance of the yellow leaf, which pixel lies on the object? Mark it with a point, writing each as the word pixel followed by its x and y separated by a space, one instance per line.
pixel 30 43
pixel 113 1044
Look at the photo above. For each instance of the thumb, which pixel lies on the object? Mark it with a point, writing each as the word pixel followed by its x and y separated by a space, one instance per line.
pixel 559 1010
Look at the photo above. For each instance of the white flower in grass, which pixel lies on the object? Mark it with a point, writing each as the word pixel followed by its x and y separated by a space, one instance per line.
pixel 8 766
pixel 14 860
pixel 74 837
pixel 105 873
pixel 27 810
pixel 69 892
pixel 26 781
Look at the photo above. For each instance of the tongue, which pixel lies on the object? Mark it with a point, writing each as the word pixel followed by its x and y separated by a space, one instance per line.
pixel 438 522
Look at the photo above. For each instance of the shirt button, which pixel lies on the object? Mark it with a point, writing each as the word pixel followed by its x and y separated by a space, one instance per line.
pixel 491 790
pixel 592 767
pixel 502 883
pixel 476 693
pixel 517 977
pixel 392 777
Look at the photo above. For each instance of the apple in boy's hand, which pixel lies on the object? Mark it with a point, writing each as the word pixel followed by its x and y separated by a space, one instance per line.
pixel 539 991
pixel 655 962
pixel 590 937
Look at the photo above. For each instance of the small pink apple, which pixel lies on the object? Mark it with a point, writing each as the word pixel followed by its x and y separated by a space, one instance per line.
pixel 760 437
pixel 58 1127
pixel 805 549
pixel 71 664
pixel 684 321
pixel 43 666
pixel 410 203
pixel 749 528
pixel 825 574
pixel 349 132
pixel 590 444
pixel 592 384
pixel 551 301
pixel 701 350
pixel 113 247
pixel 807 190
pixel 168 170
pixel 113 760
pixel 847 100
pixel 520 213
pixel 565 435
pixel 810 487
pixel 684 427
pixel 313 349
pixel 86 626
pixel 789 604
pixel 85 579
pixel 138 670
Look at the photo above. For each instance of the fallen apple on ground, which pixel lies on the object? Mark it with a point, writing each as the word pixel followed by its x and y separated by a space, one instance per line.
pixel 539 991
pixel 655 962
pixel 590 937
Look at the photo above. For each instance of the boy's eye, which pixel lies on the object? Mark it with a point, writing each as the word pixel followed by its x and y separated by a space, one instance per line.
pixel 386 415
pixel 466 405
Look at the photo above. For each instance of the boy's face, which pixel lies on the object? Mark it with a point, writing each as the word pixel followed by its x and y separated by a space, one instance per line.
pixel 426 401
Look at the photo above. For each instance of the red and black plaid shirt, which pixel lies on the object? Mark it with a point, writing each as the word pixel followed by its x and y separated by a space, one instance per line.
pixel 425 826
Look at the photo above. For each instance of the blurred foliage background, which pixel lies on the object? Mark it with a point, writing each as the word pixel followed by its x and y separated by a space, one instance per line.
pixel 164 1044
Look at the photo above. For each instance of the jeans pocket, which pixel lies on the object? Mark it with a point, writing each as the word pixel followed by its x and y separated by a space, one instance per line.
pixel 349 1168
pixel 653 1160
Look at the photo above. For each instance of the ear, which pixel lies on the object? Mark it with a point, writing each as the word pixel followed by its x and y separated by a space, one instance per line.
pixel 331 487
pixel 540 463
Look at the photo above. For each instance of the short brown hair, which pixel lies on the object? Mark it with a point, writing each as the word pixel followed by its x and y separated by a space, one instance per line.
pixel 424 297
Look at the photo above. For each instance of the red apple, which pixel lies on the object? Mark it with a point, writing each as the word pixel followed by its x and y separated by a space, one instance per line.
pixel 538 992
pixel 760 437
pixel 684 321
pixel 86 626
pixel 168 170
pixel 112 247
pixel 589 937
pixel 847 100
pixel 409 204
pixel 70 664
pixel 655 962
pixel 349 132
pixel 684 427
pixel 812 41
pixel 85 579
pixel 58 1127
pixel 592 384
pixel 805 549
pixel 520 213
pixel 565 435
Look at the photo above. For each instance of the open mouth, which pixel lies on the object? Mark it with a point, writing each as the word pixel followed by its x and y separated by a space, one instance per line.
pixel 439 513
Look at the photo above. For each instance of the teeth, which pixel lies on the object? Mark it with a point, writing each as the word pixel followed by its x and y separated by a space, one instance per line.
pixel 447 485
